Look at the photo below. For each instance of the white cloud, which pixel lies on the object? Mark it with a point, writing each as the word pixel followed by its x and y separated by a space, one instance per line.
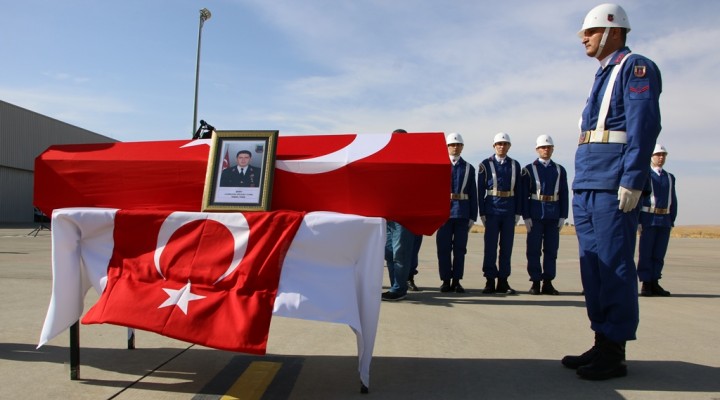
pixel 374 65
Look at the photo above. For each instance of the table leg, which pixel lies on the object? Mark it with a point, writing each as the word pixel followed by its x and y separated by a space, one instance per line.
pixel 75 351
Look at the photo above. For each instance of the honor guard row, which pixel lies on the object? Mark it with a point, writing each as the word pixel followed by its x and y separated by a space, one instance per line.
pixel 504 192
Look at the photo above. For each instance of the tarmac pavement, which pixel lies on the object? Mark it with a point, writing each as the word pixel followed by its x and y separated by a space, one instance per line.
pixel 430 346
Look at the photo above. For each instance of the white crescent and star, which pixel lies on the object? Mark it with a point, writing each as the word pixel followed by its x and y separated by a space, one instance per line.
pixel 361 147
pixel 180 297
pixel 234 222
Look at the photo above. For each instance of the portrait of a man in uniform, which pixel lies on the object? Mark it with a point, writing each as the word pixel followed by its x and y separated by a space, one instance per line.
pixel 242 174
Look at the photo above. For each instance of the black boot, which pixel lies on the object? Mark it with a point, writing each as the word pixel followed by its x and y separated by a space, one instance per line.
pixel 535 288
pixel 575 362
pixel 547 288
pixel 646 289
pixel 456 286
pixel 489 286
pixel 446 286
pixel 504 287
pixel 607 364
pixel 657 290
pixel 411 285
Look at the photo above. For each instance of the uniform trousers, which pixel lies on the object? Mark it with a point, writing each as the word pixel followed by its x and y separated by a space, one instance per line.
pixel 543 238
pixel 451 240
pixel 500 227
pixel 606 238
pixel 653 246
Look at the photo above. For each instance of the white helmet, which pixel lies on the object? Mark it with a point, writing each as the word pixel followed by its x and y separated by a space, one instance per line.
pixel 659 149
pixel 605 16
pixel 544 140
pixel 501 137
pixel 454 138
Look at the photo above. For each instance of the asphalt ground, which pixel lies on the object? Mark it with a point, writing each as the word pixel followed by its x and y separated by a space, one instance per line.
pixel 430 346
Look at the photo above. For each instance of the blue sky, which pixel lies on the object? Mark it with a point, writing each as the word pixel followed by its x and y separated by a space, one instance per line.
pixel 126 69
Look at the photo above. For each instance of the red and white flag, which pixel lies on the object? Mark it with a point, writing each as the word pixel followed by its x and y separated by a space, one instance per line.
pixel 205 278
pixel 226 160
pixel 400 177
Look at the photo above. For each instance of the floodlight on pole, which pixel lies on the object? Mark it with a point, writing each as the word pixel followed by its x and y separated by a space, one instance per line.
pixel 204 16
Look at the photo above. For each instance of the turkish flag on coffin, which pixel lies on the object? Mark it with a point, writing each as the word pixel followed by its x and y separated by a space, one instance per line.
pixel 400 177
pixel 205 278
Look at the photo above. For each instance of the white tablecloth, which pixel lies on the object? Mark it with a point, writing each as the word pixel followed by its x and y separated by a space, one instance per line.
pixel 329 251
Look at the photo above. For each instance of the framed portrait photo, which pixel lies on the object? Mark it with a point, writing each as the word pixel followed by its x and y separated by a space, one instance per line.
pixel 240 171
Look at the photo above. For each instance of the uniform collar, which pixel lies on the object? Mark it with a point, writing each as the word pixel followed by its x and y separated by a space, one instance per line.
pixel 614 58
pixel 544 162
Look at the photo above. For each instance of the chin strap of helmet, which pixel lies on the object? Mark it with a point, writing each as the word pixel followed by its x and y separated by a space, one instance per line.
pixel 602 41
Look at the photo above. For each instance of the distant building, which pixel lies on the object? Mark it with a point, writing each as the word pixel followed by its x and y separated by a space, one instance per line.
pixel 24 135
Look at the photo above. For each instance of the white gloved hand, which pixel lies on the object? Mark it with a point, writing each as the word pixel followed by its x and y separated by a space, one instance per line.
pixel 561 223
pixel 483 219
pixel 639 228
pixel 628 198
pixel 471 223
pixel 517 218
pixel 528 224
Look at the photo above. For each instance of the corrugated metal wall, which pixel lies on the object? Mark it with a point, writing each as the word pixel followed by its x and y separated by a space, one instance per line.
pixel 25 134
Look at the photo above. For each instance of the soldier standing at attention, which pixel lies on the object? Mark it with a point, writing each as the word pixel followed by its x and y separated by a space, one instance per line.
pixel 452 237
pixel 619 127
pixel 657 218
pixel 500 205
pixel 544 213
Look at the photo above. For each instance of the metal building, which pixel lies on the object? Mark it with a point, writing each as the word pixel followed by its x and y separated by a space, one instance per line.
pixel 24 135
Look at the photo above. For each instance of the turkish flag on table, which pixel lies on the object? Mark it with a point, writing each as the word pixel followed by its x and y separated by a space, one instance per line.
pixel 205 278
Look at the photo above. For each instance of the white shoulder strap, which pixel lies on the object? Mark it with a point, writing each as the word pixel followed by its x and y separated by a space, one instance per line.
pixel 605 104
pixel 465 178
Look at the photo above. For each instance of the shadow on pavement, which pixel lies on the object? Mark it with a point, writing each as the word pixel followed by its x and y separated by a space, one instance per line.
pixel 392 377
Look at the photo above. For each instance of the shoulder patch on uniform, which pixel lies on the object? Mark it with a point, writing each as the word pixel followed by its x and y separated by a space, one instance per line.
pixel 524 172
pixel 481 168
pixel 640 71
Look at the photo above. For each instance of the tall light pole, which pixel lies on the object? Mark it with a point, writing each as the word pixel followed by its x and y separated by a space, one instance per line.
pixel 204 16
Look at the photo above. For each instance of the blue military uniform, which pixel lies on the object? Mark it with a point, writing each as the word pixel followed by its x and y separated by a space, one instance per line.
pixel 546 202
pixel 657 217
pixel 233 177
pixel 499 201
pixel 615 145
pixel 452 236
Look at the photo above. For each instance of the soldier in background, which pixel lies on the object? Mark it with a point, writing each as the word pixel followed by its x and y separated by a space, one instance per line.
pixel 500 205
pixel 544 212
pixel 657 218
pixel 452 237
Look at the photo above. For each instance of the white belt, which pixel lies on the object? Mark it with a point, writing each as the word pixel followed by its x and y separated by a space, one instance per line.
pixel 653 210
pixel 499 193
pixel 543 197
pixel 602 137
